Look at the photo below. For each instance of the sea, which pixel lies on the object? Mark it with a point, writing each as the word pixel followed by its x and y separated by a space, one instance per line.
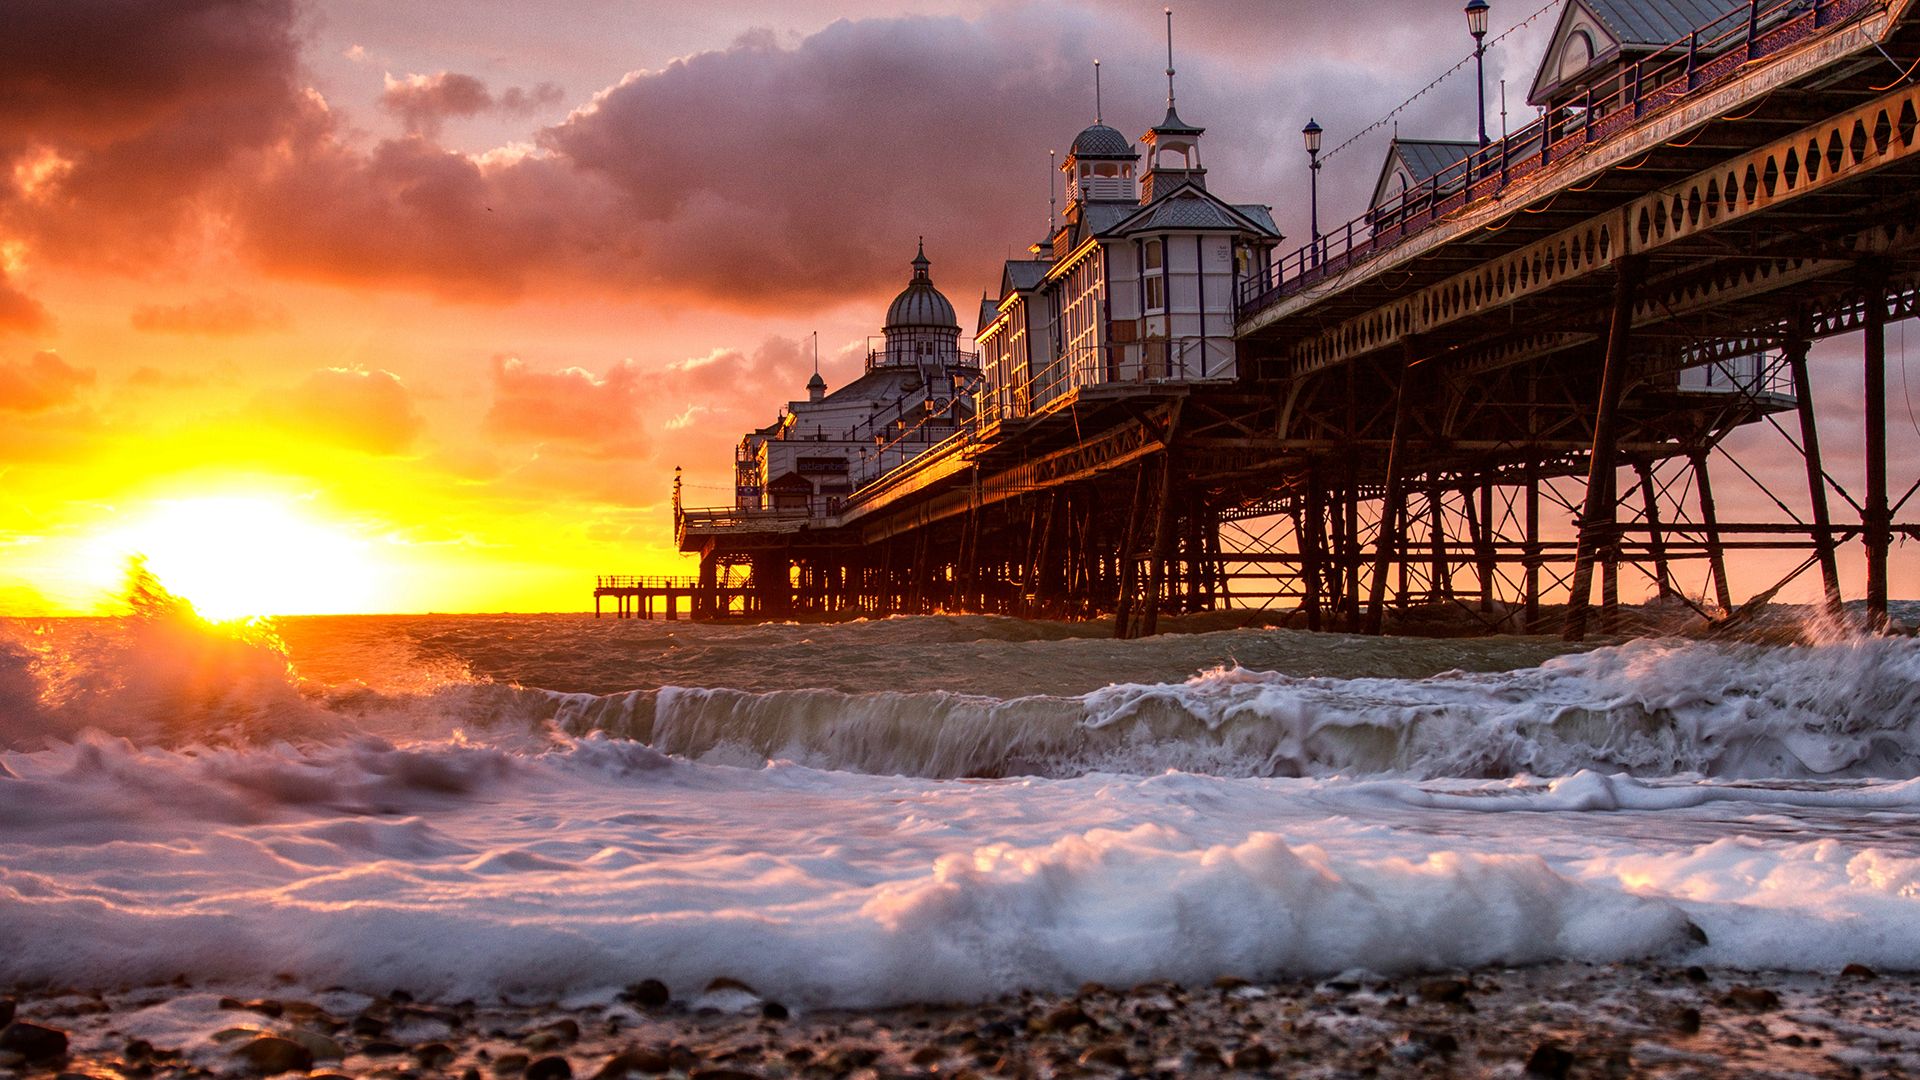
pixel 940 809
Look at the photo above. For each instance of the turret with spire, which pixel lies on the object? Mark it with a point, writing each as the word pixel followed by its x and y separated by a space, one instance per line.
pixel 1100 165
pixel 1173 145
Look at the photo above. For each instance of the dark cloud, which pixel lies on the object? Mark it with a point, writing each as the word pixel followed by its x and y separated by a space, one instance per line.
pixel 41 383
pixel 772 173
pixel 425 102
pixel 146 109
pixel 226 315
pixel 369 411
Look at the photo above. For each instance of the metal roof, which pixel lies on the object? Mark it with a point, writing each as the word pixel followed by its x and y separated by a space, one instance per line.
pixel 1173 125
pixel 1190 207
pixel 920 305
pixel 1260 215
pixel 1424 158
pixel 1186 212
pixel 1653 23
pixel 1101 141
pixel 1026 273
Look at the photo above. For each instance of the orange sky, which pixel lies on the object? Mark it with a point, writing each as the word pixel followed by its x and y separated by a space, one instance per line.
pixel 349 305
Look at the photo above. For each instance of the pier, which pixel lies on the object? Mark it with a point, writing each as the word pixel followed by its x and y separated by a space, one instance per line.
pixel 1498 387
pixel 635 597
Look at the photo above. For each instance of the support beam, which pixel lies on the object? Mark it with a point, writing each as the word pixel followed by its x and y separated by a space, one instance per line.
pixel 1710 526
pixel 1531 552
pixel 1129 568
pixel 1816 473
pixel 1309 535
pixel 1162 537
pixel 1876 516
pixel 1391 503
pixel 1656 539
pixel 1597 517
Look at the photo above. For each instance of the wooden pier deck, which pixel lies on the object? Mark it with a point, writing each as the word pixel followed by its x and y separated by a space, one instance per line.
pixel 634 596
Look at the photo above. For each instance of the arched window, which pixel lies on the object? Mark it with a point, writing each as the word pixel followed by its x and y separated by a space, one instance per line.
pixel 1577 55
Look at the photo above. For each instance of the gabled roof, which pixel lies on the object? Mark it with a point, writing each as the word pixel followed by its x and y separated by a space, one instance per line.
pixel 1190 206
pixel 1259 214
pixel 1652 24
pixel 1423 159
pixel 1023 274
pixel 989 311
pixel 1627 27
pixel 1098 218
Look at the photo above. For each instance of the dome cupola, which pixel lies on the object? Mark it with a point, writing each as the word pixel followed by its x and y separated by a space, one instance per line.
pixel 920 305
pixel 1101 141
pixel 1100 164
pixel 921 327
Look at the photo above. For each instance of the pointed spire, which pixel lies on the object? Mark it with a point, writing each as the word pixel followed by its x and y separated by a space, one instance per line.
pixel 1096 91
pixel 1169 61
pixel 920 262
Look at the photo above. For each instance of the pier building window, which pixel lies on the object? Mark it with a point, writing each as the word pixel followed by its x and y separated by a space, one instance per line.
pixel 1153 263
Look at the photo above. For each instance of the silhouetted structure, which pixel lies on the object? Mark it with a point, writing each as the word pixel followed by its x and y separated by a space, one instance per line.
pixel 1505 379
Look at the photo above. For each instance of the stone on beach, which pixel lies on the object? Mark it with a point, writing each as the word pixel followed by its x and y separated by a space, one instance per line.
pixel 34 1043
pixel 271 1055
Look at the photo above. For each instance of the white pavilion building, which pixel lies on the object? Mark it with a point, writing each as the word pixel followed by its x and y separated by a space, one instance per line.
pixel 917 390
pixel 1136 285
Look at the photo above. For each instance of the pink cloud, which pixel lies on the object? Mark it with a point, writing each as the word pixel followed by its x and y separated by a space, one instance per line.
pixel 41 383
pixel 596 415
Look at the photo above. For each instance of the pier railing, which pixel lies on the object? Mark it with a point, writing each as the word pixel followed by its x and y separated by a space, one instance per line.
pixel 1707 57
pixel 635 582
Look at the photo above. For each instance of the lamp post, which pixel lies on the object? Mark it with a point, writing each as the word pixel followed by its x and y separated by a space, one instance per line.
pixel 1311 133
pixel 1477 26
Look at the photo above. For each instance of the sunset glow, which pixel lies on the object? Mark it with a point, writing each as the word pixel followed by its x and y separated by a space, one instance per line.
pixel 238 556
pixel 460 304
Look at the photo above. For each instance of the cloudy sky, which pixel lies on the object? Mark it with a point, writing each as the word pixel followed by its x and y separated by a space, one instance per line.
pixel 449 290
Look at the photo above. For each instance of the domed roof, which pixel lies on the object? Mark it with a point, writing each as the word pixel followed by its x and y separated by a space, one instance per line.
pixel 1101 141
pixel 920 305
pixel 816 383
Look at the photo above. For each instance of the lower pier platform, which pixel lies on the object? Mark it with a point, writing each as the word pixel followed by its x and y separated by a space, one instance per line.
pixel 637 597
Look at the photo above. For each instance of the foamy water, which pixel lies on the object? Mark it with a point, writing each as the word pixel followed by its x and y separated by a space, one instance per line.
pixel 933 809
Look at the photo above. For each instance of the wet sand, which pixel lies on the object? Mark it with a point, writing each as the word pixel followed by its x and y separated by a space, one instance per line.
pixel 1566 1020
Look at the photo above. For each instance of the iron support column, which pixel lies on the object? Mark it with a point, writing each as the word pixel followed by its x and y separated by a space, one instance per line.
pixel 1596 517
pixel 1710 525
pixel 1877 515
pixel 1816 474
pixel 1394 495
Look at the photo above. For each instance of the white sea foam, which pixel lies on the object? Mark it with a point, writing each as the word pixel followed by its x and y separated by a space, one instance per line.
pixel 464 871
pixel 178 806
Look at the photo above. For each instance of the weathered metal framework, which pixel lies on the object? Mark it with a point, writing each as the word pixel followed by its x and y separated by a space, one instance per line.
pixel 1483 409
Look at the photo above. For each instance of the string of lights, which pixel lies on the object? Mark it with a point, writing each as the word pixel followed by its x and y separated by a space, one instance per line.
pixel 1551 5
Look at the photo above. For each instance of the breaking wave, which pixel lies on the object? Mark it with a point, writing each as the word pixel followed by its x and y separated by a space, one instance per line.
pixel 1844 707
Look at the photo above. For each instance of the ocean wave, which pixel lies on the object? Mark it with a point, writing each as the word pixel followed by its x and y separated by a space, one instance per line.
pixel 1845 706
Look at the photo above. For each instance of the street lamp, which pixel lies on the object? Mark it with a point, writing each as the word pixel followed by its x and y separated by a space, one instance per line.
pixel 1477 26
pixel 1311 133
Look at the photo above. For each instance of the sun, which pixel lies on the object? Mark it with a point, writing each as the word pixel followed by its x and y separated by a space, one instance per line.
pixel 233 556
